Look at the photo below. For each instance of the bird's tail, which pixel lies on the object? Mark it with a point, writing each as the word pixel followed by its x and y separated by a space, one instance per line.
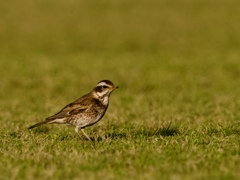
pixel 40 123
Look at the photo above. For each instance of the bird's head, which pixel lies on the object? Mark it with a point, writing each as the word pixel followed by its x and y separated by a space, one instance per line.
pixel 104 88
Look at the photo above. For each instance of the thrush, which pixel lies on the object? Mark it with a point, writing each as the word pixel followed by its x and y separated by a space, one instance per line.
pixel 85 111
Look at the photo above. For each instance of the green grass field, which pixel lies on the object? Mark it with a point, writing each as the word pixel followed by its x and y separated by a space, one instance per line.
pixel 175 116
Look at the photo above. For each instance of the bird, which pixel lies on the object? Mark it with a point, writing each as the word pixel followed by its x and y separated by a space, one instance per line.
pixel 85 111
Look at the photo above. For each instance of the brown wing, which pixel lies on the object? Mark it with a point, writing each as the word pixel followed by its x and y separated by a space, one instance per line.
pixel 71 109
pixel 78 106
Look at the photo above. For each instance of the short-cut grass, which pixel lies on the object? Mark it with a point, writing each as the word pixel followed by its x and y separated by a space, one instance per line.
pixel 175 116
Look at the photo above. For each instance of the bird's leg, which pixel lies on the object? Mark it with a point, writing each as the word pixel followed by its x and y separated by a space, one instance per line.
pixel 76 130
pixel 83 131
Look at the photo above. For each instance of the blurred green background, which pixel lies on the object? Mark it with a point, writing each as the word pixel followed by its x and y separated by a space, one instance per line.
pixel 184 28
pixel 174 61
pixel 136 41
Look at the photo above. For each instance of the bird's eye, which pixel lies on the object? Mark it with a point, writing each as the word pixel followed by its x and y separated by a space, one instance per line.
pixel 104 87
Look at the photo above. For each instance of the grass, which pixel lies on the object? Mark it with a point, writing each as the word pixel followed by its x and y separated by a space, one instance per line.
pixel 175 116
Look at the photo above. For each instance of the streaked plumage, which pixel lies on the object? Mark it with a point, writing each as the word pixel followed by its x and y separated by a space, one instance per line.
pixel 85 111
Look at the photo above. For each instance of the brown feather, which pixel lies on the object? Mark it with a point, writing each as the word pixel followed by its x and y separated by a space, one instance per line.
pixel 40 123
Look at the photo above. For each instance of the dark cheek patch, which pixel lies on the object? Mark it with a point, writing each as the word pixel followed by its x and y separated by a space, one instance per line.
pixel 99 89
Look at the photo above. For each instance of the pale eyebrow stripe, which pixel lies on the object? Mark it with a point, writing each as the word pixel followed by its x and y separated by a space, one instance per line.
pixel 103 84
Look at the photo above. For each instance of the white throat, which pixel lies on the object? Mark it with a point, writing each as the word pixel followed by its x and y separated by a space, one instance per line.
pixel 105 100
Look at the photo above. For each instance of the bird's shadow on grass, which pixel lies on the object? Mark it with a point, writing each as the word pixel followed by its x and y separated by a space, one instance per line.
pixel 134 132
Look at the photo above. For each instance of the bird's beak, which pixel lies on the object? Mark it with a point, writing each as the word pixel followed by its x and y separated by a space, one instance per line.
pixel 116 87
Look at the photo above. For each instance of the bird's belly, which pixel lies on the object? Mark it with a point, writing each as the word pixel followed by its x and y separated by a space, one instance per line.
pixel 83 121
